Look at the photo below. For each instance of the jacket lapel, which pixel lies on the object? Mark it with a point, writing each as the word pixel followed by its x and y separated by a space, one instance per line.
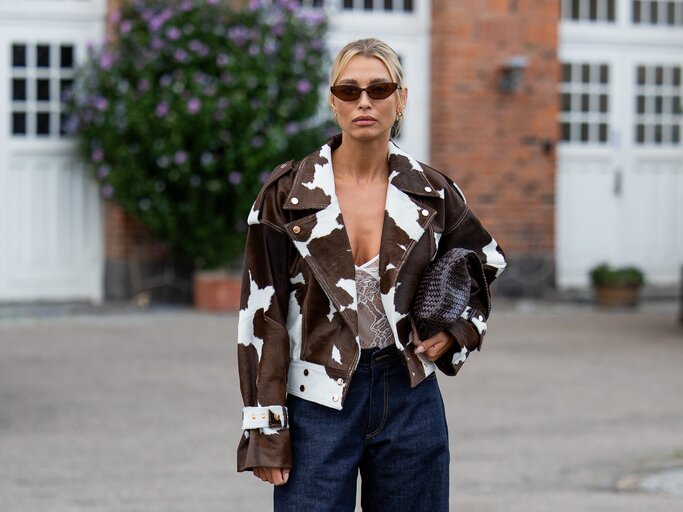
pixel 321 237
pixel 405 221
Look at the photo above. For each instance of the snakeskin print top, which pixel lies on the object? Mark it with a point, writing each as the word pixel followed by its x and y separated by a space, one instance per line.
pixel 373 325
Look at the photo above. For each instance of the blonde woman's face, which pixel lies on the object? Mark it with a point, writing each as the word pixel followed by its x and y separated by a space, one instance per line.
pixel 365 118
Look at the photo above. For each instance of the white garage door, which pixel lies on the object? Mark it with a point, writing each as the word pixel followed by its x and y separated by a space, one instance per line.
pixel 50 214
pixel 620 163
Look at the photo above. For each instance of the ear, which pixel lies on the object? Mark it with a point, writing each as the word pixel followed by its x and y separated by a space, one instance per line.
pixel 404 97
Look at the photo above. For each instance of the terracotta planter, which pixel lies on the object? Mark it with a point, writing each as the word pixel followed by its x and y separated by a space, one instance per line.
pixel 617 296
pixel 216 290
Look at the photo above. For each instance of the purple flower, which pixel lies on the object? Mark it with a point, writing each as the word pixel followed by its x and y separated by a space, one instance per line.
pixel 97 155
pixel 107 190
pixel 103 171
pixel 316 44
pixel 299 52
pixel 161 109
pixel 270 47
pixel 173 33
pixel 180 55
pixel 180 157
pixel 115 16
pixel 263 176
pixel 163 161
pixel 126 26
pixel 143 85
pixel 235 177
pixel 222 59
pixel 255 5
pixel 254 50
pixel 222 103
pixel 257 141
pixel 101 104
pixel 226 78
pixel 238 34
pixel 144 204
pixel 303 86
pixel 165 80
pixel 292 128
pixel 156 23
pixel 219 116
pixel 193 105
pixel 186 5
pixel 157 43
pixel 106 61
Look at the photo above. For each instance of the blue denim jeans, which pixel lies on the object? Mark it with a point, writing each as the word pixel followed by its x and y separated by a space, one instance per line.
pixel 395 435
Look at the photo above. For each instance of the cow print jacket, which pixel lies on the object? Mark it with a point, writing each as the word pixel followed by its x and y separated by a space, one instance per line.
pixel 298 325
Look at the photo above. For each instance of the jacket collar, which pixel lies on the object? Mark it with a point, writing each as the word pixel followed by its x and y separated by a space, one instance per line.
pixel 321 236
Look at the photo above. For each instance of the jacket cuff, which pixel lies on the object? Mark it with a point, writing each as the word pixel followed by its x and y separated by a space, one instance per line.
pixel 258 449
pixel 267 418
pixel 467 339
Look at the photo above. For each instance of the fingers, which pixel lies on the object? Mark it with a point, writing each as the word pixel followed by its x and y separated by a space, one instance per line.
pixel 434 347
pixel 275 476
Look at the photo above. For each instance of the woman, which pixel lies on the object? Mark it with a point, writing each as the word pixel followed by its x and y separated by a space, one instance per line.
pixel 333 377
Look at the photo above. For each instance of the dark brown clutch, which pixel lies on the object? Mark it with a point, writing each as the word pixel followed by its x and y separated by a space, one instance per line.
pixel 444 291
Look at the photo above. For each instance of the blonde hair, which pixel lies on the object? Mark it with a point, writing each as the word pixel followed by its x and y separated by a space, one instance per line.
pixel 371 48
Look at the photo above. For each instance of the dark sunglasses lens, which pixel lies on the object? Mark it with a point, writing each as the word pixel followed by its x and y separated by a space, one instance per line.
pixel 381 91
pixel 346 92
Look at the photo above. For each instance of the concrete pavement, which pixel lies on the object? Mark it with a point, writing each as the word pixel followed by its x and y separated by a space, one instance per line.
pixel 140 411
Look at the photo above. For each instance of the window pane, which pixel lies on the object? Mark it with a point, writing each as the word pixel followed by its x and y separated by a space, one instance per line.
pixel 42 123
pixel 604 74
pixel 610 10
pixel 66 56
pixel 19 123
pixel 19 89
pixel 585 103
pixel 19 55
pixel 43 56
pixel 408 5
pixel 566 72
pixel 641 75
pixel 64 85
pixel 584 132
pixel 640 133
pixel 602 134
pixel 566 132
pixel 585 73
pixel 368 5
pixel 43 89
pixel 604 103
pixel 566 102
pixel 640 104
pixel 636 11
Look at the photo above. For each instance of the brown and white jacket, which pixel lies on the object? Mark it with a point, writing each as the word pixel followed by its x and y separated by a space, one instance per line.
pixel 298 323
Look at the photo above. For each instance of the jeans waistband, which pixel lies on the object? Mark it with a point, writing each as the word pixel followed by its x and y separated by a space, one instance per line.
pixel 378 355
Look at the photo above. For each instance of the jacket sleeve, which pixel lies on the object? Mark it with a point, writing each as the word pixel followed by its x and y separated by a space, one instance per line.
pixel 263 346
pixel 467 232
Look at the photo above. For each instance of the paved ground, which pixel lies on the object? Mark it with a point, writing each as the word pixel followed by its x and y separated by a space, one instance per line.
pixel 129 411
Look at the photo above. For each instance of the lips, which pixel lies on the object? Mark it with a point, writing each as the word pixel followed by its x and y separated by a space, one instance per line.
pixel 364 120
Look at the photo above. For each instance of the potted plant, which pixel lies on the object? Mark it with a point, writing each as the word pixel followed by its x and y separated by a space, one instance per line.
pixel 616 287
pixel 184 113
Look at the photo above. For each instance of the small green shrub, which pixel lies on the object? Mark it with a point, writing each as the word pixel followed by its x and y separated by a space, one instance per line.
pixel 606 275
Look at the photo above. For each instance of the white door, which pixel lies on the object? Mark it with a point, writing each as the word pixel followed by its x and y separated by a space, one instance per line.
pixel 403 25
pixel 50 213
pixel 620 162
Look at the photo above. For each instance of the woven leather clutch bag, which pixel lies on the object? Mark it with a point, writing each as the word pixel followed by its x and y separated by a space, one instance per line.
pixel 444 291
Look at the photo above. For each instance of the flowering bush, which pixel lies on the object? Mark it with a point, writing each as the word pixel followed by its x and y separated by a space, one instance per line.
pixel 184 115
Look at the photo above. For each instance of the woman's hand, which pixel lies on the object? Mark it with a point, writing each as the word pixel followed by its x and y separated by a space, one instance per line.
pixel 433 347
pixel 276 476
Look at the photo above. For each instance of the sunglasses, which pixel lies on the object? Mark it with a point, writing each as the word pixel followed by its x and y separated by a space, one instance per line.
pixel 379 91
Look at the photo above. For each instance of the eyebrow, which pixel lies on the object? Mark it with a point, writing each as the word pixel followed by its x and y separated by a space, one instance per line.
pixel 353 81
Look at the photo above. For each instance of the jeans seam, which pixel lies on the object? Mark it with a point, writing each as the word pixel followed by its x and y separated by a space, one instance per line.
pixel 386 400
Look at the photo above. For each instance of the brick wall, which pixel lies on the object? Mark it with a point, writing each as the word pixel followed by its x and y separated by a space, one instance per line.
pixel 499 147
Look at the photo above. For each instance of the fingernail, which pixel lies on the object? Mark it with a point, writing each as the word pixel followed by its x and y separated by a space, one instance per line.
pixel 419 349
pixel 285 475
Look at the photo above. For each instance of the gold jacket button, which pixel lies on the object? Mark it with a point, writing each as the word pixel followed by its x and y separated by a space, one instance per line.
pixel 296 229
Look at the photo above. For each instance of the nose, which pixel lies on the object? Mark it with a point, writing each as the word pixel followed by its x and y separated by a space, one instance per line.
pixel 364 100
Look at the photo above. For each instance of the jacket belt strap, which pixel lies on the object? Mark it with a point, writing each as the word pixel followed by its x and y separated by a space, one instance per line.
pixel 273 416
